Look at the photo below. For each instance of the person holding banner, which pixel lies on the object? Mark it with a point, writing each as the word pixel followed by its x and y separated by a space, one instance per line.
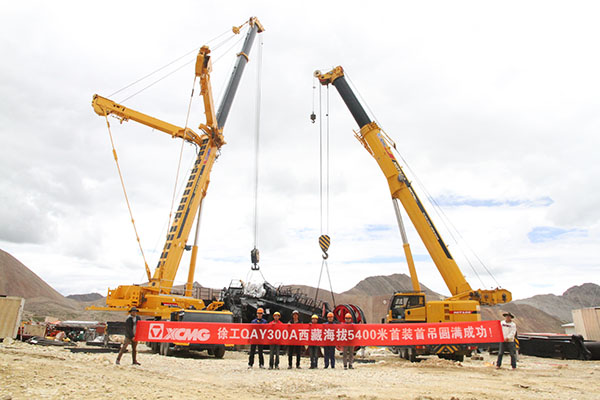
pixel 329 350
pixel 253 347
pixel 314 350
pixel 348 353
pixel 274 348
pixel 294 350
pixel 509 330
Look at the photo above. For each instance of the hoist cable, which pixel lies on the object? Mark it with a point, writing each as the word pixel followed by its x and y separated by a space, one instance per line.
pixel 187 119
pixel 112 143
pixel 324 239
pixel 330 286
pixel 327 168
pixel 257 137
pixel 176 69
pixel 321 159
pixel 195 50
pixel 445 220
pixel 158 80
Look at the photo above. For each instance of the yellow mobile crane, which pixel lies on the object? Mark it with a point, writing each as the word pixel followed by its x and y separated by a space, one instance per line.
pixel 407 307
pixel 155 298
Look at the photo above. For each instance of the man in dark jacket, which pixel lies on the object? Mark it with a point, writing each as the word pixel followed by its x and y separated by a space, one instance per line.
pixel 294 350
pixel 261 360
pixel 330 350
pixel 130 324
pixel 314 350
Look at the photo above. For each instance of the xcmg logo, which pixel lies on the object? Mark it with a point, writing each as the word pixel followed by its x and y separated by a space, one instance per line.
pixel 158 331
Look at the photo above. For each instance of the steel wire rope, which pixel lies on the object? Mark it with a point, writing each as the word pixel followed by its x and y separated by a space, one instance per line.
pixel 257 138
pixel 112 143
pixel 324 181
pixel 164 228
pixel 167 65
pixel 437 208
pixel 187 118
pixel 177 69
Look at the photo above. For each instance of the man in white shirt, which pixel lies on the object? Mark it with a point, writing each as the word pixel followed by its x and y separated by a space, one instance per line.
pixel 509 331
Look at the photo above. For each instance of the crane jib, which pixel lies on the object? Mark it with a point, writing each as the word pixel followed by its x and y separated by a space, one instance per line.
pixel 236 76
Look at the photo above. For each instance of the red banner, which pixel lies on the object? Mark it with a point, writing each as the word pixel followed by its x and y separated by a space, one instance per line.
pixel 320 334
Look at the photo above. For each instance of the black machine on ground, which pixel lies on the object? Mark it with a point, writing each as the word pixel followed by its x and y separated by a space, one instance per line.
pixel 565 347
pixel 244 299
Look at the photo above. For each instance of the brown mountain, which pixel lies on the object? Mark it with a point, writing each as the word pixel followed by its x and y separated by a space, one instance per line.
pixel 41 299
pixel 528 318
pixel 18 280
pixel 586 295
pixel 541 313
pixel 85 297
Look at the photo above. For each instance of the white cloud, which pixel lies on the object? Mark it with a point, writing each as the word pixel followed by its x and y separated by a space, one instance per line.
pixel 485 103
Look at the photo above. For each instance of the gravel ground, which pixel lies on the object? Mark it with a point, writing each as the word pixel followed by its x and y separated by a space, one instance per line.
pixel 29 371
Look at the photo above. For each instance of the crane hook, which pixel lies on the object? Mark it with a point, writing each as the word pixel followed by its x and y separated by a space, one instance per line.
pixel 324 242
pixel 313 117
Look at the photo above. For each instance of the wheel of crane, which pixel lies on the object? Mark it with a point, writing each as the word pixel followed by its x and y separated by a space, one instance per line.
pixel 219 351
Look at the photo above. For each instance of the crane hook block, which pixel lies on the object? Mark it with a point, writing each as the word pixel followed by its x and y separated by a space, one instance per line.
pixel 313 117
pixel 255 256
pixel 324 241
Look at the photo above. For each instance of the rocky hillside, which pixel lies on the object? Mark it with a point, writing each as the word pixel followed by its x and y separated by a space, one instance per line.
pixel 387 285
pixel 18 280
pixel 85 297
pixel 586 295
pixel 528 318
pixel 41 299
pixel 542 313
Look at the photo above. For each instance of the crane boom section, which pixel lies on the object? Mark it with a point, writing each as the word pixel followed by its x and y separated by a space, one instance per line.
pixel 155 298
pixel 193 194
pixel 378 145
pixel 402 190
pixel 103 106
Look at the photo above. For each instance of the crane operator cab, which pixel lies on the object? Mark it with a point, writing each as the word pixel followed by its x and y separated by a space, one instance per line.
pixel 407 307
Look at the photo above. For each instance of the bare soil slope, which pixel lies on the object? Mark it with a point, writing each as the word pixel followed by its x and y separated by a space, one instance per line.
pixel 586 295
pixel 18 280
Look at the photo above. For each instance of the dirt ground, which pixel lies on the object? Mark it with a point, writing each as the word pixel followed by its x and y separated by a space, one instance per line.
pixel 30 371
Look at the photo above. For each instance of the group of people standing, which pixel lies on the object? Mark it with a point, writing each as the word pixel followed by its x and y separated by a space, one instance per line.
pixel 295 351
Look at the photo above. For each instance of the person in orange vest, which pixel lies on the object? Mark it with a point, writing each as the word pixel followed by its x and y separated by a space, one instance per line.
pixel 348 354
pixel 329 350
pixel 261 360
pixel 274 348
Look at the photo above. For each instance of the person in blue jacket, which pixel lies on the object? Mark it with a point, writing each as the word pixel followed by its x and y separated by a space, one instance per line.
pixel 261 359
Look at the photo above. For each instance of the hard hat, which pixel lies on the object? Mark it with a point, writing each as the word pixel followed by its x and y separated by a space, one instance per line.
pixel 260 311
pixel 295 312
pixel 329 314
pixel 348 315
pixel 276 313
pixel 134 308
pixel 314 316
